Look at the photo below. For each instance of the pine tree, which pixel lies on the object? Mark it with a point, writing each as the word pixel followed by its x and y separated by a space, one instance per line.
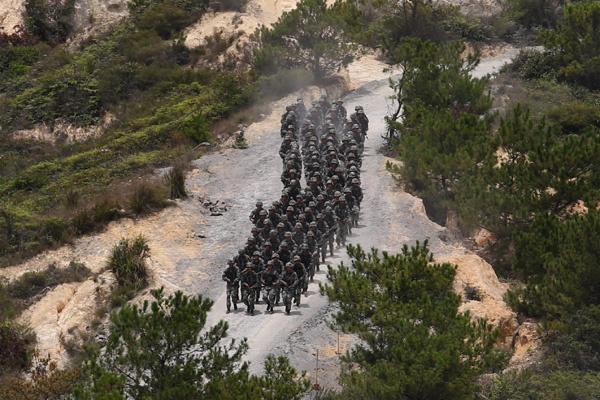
pixel 538 171
pixel 162 351
pixel 309 36
pixel 414 343
pixel 559 261
pixel 575 44
pixel 443 133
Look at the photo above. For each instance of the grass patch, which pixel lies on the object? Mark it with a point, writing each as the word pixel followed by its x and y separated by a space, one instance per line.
pixel 175 179
pixel 147 197
pixel 31 284
pixel 128 262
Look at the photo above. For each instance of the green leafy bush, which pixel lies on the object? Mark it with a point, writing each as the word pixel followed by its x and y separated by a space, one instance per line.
pixel 539 171
pixel 128 262
pixel 533 64
pixel 309 36
pixel 90 219
pixel 575 117
pixel 443 132
pixel 165 18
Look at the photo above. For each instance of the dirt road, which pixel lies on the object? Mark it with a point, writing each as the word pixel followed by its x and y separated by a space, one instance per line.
pixel 389 219
pixel 189 246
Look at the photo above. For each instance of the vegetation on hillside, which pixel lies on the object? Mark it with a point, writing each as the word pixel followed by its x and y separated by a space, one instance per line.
pixel 414 343
pixel 186 361
pixel 531 178
pixel 137 74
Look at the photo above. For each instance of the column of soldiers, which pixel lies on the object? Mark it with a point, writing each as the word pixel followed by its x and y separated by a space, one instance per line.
pixel 291 238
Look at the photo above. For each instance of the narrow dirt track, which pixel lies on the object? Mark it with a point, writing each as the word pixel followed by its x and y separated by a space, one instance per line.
pixel 189 247
pixel 389 219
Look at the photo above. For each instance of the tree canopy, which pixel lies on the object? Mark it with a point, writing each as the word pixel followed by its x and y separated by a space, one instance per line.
pixel 161 351
pixel 414 343
pixel 310 36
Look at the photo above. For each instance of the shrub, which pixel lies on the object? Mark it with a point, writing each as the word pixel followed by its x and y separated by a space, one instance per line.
pixel 16 347
pixel 164 350
pixel 536 385
pixel 56 231
pixel 533 64
pixel 575 342
pixel 47 384
pixel 8 307
pixel 147 197
pixel 175 179
pixel 558 260
pixel 72 199
pixel 90 219
pixel 32 283
pixel 575 43
pixel 575 117
pixel 414 342
pixel 50 20
pixel 165 19
pixel 532 13
pixel 197 128
pixel 128 262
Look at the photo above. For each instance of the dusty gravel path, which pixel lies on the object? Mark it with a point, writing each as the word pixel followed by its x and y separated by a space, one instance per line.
pixel 189 247
pixel 389 219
